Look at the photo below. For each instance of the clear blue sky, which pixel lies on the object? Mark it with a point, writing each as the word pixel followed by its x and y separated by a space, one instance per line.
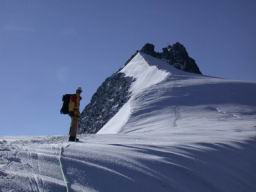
pixel 49 47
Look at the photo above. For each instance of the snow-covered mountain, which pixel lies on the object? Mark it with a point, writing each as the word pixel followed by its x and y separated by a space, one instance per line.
pixel 165 99
pixel 154 92
pixel 115 90
pixel 159 128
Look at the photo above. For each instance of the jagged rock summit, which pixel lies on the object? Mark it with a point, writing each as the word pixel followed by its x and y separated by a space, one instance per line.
pixel 175 55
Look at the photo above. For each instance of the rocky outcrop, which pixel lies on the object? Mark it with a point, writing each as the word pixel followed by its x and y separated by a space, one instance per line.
pixel 105 103
pixel 175 55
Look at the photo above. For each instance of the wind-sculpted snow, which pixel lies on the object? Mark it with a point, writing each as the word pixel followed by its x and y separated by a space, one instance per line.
pixel 29 167
pixel 194 106
pixel 127 163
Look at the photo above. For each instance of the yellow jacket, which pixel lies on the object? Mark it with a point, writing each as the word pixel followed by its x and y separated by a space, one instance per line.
pixel 74 105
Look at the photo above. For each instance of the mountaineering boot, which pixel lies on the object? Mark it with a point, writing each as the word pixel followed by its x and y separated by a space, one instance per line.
pixel 73 139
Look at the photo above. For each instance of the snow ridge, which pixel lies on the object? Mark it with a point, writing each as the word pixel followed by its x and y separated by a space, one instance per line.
pixel 145 76
pixel 167 100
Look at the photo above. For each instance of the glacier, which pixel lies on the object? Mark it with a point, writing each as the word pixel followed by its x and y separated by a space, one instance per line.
pixel 178 131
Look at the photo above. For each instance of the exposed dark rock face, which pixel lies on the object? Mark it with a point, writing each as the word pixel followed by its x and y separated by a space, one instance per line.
pixel 149 49
pixel 176 55
pixel 105 103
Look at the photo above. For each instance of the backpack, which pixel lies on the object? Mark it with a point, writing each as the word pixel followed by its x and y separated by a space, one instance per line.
pixel 64 108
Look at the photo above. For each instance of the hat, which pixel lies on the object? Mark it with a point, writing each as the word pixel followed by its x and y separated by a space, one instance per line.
pixel 79 89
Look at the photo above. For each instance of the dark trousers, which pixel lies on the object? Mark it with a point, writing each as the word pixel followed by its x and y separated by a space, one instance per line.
pixel 73 126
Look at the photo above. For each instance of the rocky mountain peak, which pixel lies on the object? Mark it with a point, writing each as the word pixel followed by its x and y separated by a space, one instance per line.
pixel 175 55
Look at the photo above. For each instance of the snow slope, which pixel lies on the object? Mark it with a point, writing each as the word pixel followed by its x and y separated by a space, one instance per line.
pixel 177 132
pixel 167 100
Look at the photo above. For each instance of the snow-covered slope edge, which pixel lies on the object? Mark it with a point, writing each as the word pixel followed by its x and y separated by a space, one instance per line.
pixel 105 103
pixel 145 76
pixel 165 100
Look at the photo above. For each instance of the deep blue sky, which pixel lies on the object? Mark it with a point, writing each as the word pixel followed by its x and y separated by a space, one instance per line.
pixel 49 47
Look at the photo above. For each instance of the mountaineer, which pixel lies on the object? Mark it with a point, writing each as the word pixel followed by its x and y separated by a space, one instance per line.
pixel 71 106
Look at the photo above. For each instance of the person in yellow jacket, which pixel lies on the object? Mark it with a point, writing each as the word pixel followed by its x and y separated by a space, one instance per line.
pixel 74 112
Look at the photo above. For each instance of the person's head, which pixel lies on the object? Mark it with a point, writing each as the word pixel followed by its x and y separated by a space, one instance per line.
pixel 79 90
